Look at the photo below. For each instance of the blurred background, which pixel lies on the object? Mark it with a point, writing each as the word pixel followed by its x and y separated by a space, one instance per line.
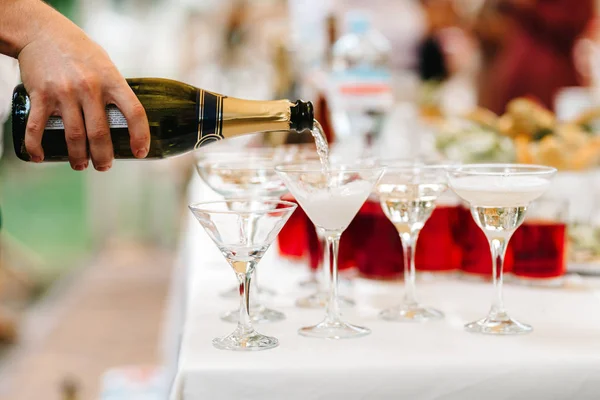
pixel 442 79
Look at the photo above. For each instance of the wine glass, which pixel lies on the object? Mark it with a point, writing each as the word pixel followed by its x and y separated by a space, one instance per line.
pixel 498 196
pixel 243 230
pixel 249 178
pixel 407 193
pixel 331 198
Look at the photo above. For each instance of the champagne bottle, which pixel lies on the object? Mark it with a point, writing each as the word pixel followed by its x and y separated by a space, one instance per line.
pixel 181 118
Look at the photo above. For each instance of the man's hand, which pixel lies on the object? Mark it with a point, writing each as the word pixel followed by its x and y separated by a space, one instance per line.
pixel 67 74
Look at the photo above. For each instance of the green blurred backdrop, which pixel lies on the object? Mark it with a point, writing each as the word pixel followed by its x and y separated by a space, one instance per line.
pixel 44 207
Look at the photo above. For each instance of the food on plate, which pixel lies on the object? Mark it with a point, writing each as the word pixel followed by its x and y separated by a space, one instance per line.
pixel 534 133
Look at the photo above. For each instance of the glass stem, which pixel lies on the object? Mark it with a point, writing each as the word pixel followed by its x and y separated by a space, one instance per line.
pixel 409 240
pixel 325 265
pixel 255 291
pixel 244 324
pixel 333 308
pixel 498 250
pixel 248 227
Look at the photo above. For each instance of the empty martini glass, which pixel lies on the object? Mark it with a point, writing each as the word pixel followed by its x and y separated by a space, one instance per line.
pixel 207 159
pixel 498 195
pixel 243 230
pixel 253 178
pixel 229 187
pixel 331 198
pixel 407 193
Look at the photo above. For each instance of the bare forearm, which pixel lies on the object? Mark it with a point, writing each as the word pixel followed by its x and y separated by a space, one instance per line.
pixel 21 21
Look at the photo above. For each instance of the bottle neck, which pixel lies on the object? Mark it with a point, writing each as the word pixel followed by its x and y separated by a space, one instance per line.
pixel 247 116
pixel 223 117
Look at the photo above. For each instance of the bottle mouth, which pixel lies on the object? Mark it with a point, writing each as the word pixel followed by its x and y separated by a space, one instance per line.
pixel 302 116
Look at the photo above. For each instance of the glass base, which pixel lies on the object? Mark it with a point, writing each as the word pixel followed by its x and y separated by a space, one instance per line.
pixel 320 299
pixel 258 315
pixel 309 283
pixel 411 313
pixel 475 277
pixel 334 330
pixel 434 275
pixel 346 278
pixel 251 341
pixel 234 292
pixel 313 283
pixel 554 282
pixel 501 324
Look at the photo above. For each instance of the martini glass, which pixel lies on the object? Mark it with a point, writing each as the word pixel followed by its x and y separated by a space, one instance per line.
pixel 245 177
pixel 226 187
pixel 307 153
pixel 223 153
pixel 243 230
pixel 498 195
pixel 320 297
pixel 248 178
pixel 331 198
pixel 407 193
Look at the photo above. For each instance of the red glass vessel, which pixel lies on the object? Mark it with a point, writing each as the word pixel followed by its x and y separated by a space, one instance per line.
pixel 378 252
pixel 292 241
pixel 438 247
pixel 539 250
pixel 379 255
pixel 449 241
pixel 536 250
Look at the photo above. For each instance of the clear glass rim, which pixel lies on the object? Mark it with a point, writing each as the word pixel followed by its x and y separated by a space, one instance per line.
pixel 249 160
pixel 442 168
pixel 297 146
pixel 205 206
pixel 500 170
pixel 416 161
pixel 251 164
pixel 272 153
pixel 258 151
pixel 316 167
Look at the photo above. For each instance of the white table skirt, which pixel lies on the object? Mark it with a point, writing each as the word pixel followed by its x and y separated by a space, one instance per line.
pixel 438 360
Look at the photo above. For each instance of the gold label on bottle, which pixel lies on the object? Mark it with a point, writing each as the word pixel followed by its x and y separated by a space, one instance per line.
pixel 210 118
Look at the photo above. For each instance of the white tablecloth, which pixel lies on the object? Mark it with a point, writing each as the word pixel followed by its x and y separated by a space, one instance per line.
pixel 439 360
